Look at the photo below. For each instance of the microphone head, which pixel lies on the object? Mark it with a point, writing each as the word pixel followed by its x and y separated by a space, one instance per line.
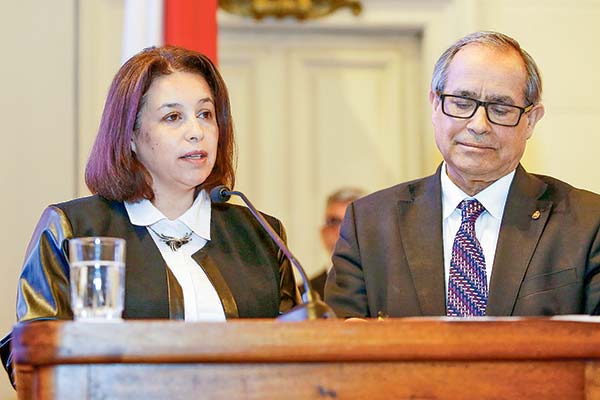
pixel 220 194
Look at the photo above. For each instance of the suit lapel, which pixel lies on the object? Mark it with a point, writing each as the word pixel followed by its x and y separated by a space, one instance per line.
pixel 524 219
pixel 146 292
pixel 214 256
pixel 420 221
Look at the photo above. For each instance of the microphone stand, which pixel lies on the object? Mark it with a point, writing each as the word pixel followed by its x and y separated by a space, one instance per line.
pixel 313 307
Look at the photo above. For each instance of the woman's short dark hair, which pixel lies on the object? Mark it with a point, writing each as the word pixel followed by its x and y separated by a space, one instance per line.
pixel 113 170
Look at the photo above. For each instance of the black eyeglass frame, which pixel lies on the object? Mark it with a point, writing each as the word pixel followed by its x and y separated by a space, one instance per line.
pixel 485 105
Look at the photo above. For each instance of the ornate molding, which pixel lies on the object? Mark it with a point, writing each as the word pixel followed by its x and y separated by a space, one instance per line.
pixel 299 9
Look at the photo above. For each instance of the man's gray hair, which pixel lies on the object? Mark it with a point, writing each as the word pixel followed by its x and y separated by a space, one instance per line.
pixel 533 89
pixel 345 195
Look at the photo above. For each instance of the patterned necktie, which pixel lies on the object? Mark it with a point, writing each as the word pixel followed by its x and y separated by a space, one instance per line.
pixel 467 285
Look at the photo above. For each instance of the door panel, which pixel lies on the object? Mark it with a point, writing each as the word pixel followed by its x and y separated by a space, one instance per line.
pixel 314 113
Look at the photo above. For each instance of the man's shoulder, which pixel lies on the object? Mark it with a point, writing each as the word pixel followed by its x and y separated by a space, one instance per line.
pixel 560 191
pixel 405 191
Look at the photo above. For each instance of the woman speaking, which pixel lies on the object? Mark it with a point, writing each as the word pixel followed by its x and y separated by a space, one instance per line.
pixel 165 139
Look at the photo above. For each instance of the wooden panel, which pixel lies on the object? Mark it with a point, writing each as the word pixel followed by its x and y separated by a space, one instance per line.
pixel 592 380
pixel 259 120
pixel 411 358
pixel 250 341
pixel 64 382
pixel 320 111
pixel 348 127
pixel 410 380
pixel 24 380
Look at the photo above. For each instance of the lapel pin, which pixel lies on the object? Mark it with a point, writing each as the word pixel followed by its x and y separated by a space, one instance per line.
pixel 536 214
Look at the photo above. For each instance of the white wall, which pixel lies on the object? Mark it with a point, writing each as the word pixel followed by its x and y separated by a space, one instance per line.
pixel 562 36
pixel 37 109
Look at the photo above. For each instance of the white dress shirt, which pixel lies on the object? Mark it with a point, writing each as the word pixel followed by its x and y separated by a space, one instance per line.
pixel 201 300
pixel 487 226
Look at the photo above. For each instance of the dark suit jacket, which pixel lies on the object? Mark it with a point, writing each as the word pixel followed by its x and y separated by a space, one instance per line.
pixel 252 277
pixel 317 283
pixel 389 258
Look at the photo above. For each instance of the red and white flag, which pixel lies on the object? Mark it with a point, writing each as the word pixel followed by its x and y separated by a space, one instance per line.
pixel 187 23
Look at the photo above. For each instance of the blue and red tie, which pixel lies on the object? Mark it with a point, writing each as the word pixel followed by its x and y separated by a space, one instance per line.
pixel 467 284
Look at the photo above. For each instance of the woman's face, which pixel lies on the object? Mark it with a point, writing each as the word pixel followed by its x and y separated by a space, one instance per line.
pixel 178 133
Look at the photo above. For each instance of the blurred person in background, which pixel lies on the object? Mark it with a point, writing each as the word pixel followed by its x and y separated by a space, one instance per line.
pixel 335 208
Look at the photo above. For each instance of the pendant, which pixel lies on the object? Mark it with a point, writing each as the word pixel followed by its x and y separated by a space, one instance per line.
pixel 173 242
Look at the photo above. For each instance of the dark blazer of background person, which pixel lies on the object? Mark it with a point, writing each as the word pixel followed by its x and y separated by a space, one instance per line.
pixel 335 208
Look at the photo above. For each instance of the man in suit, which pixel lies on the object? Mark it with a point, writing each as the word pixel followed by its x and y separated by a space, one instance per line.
pixel 481 236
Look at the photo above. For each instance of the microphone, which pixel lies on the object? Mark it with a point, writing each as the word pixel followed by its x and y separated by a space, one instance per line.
pixel 313 307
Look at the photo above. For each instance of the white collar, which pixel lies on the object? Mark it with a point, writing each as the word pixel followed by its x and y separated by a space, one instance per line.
pixel 196 218
pixel 493 197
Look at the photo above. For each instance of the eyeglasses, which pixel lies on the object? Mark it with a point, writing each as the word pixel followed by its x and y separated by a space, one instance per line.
pixel 332 222
pixel 497 113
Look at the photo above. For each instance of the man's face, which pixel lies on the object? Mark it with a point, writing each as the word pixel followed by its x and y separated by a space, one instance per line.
pixel 477 152
pixel 330 231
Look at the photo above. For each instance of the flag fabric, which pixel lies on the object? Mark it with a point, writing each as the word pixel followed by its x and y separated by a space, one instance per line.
pixel 187 23
pixel 192 24
pixel 142 27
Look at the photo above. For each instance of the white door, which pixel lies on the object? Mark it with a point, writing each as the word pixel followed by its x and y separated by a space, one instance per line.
pixel 317 111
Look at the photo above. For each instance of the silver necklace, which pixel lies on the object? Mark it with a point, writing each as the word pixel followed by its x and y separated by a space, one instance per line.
pixel 173 242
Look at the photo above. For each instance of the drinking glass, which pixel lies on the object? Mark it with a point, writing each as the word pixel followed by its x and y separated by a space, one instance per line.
pixel 97 278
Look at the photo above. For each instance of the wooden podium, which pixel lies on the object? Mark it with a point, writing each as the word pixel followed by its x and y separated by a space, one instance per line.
pixel 412 358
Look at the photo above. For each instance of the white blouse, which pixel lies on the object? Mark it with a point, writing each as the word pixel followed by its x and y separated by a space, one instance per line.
pixel 201 300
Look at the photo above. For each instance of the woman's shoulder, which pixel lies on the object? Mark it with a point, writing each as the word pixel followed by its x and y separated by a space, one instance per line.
pixel 93 203
pixel 71 218
pixel 91 212
pixel 93 200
